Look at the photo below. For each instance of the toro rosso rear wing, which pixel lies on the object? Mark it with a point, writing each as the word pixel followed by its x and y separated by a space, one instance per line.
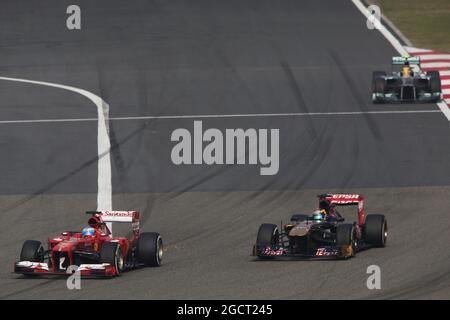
pixel 346 200
pixel 109 217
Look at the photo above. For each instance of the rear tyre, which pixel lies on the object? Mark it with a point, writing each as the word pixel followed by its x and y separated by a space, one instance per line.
pixel 376 230
pixel 299 218
pixel 376 75
pixel 433 74
pixel 378 85
pixel 112 254
pixel 435 81
pixel 345 238
pixel 150 249
pixel 32 251
pixel 268 235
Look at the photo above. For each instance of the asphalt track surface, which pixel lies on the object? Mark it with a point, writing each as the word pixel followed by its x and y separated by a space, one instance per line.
pixel 152 58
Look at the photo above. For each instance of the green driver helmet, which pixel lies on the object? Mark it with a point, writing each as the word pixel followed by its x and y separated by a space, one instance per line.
pixel 319 215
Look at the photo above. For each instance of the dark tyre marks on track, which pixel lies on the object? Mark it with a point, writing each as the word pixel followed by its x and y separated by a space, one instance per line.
pixel 352 87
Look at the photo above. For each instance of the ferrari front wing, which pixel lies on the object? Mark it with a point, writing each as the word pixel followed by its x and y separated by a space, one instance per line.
pixel 41 268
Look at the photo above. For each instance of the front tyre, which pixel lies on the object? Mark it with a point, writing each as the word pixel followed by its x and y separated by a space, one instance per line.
pixel 376 75
pixel 32 251
pixel 345 238
pixel 112 254
pixel 268 235
pixel 150 249
pixel 378 86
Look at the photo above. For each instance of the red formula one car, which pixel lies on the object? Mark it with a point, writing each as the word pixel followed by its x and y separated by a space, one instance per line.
pixel 94 251
pixel 324 234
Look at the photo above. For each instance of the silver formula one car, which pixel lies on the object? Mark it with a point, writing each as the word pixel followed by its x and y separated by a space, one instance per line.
pixel 407 85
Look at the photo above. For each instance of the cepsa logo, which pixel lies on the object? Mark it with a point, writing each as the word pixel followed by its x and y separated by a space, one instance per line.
pixel 345 198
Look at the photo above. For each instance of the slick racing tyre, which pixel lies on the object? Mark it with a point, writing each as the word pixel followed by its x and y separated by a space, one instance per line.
pixel 378 85
pixel 435 81
pixel 268 235
pixel 32 251
pixel 345 238
pixel 150 249
pixel 376 75
pixel 112 254
pixel 375 230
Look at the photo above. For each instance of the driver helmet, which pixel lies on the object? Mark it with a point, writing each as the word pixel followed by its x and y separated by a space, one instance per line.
pixel 319 215
pixel 88 232
pixel 406 71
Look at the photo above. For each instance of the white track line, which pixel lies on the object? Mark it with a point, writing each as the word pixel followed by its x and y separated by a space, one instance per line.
pixel 104 192
pixel 428 65
pixel 289 114
pixel 47 120
pixel 386 33
pixel 445 109
pixel 417 50
pixel 399 47
pixel 212 116
pixel 434 57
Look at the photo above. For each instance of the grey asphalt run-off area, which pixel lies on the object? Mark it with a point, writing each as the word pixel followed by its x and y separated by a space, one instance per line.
pixel 177 58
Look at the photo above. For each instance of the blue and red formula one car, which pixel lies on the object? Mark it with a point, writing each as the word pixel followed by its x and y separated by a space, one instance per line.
pixel 324 234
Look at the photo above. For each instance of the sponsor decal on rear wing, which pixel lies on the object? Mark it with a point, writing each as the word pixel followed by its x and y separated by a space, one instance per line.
pixel 116 216
pixel 109 217
pixel 342 199
pixel 346 200
pixel 120 216
pixel 403 60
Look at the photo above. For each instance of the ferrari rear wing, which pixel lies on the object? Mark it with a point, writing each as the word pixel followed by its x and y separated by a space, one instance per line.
pixel 116 216
pixel 109 217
